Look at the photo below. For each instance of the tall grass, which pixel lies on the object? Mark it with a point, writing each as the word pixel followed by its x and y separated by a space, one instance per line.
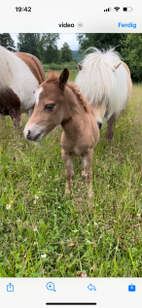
pixel 44 233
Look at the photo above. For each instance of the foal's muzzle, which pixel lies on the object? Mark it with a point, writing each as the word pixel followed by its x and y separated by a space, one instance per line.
pixel 28 136
pixel 33 138
pixel 34 132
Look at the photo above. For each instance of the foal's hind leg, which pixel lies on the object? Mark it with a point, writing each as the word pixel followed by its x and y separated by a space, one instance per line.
pixel 86 159
pixel 68 160
pixel 110 128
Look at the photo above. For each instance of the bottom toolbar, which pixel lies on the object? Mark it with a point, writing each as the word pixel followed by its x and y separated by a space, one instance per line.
pixel 74 292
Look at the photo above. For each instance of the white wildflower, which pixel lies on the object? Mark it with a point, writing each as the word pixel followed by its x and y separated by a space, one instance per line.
pixel 18 220
pixel 36 197
pixel 43 256
pixel 8 206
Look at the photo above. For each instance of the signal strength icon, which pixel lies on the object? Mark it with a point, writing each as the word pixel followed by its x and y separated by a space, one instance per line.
pixel 116 8
pixel 108 9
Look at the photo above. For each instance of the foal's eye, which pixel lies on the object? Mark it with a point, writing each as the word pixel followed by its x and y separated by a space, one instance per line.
pixel 49 107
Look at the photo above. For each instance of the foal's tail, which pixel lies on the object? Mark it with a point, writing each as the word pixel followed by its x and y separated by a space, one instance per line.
pixel 104 78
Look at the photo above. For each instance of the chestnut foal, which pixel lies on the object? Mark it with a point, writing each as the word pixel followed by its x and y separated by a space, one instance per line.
pixel 59 102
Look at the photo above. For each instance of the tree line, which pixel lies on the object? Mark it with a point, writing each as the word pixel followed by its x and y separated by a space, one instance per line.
pixel 44 46
pixel 128 45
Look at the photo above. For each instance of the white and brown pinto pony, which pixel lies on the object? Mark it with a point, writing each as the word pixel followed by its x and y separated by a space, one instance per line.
pixel 105 82
pixel 59 102
pixel 20 75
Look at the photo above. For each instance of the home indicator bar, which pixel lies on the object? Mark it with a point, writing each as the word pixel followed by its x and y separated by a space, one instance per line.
pixel 71 304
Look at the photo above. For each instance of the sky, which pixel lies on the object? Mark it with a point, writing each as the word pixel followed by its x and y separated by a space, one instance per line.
pixel 69 38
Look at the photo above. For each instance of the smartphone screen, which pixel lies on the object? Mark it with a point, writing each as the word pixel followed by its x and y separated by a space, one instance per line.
pixel 70 154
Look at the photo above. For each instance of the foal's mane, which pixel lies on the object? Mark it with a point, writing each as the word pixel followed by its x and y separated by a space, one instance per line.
pixel 79 95
pixel 75 89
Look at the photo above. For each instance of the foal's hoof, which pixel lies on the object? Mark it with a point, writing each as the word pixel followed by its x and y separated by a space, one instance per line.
pixel 67 192
pixel 90 194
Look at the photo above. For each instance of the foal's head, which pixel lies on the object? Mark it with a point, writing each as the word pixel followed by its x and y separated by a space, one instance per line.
pixel 48 110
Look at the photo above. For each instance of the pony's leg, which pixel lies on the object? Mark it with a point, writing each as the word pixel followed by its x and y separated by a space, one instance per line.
pixel 86 160
pixel 16 117
pixel 68 160
pixel 110 128
pixel 2 118
pixel 13 104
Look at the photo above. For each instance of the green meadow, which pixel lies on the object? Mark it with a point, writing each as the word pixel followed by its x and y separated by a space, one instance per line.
pixel 44 233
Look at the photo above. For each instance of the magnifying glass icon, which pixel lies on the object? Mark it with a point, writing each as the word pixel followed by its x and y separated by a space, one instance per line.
pixel 50 286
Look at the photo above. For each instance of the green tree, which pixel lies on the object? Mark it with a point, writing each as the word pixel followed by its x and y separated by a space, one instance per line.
pixel 28 42
pixel 66 53
pixel 132 54
pixel 100 40
pixel 6 40
pixel 47 47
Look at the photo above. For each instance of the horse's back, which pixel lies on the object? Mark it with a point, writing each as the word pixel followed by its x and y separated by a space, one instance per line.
pixel 34 65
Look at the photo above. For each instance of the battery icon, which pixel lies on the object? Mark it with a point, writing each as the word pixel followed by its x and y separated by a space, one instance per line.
pixel 127 9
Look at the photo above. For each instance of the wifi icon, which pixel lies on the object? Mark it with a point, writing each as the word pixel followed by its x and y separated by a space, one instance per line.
pixel 116 8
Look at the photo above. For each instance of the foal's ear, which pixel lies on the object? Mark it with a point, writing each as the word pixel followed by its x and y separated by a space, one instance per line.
pixel 63 77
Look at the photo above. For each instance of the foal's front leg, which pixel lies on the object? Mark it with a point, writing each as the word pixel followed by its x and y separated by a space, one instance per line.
pixel 68 160
pixel 86 159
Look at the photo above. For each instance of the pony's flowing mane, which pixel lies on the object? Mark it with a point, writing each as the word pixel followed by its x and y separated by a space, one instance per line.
pixel 100 82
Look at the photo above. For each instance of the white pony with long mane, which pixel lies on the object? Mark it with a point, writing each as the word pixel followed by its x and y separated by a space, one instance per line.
pixel 105 81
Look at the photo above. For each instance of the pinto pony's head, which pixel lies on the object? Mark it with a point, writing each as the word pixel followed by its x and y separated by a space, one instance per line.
pixel 48 110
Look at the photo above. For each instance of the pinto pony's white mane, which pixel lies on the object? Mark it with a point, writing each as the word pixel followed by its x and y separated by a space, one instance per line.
pixel 100 82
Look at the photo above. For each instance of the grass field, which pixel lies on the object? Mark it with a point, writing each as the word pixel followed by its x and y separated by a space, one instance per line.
pixel 44 233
